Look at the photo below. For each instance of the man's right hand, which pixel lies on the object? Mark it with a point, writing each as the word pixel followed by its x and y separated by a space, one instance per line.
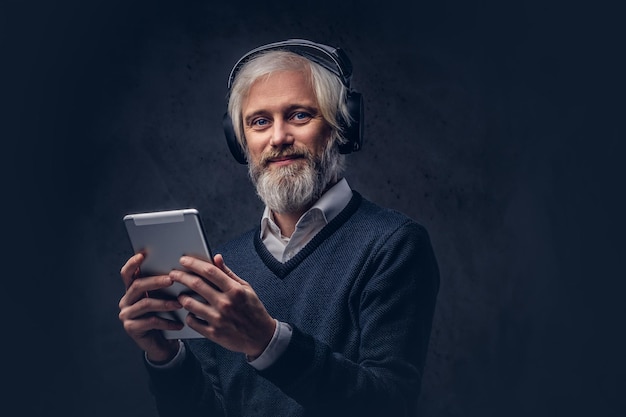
pixel 138 312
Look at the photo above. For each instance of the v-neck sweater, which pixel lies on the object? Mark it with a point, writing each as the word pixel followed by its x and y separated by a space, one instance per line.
pixel 360 298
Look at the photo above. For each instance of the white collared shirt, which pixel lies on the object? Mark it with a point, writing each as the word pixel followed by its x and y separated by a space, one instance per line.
pixel 312 221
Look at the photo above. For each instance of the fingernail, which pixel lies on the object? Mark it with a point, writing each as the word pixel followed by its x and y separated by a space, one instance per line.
pixel 184 260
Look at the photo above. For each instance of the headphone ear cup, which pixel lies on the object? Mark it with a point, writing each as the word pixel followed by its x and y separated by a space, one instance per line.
pixel 231 139
pixel 354 131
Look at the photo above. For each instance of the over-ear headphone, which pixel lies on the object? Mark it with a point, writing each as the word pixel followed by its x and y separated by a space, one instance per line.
pixel 333 59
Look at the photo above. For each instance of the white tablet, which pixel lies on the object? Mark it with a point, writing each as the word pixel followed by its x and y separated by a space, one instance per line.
pixel 163 237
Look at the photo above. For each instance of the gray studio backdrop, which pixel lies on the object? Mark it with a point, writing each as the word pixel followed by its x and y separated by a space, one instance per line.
pixel 465 115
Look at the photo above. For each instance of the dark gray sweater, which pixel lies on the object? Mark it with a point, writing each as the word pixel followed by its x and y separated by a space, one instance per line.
pixel 360 297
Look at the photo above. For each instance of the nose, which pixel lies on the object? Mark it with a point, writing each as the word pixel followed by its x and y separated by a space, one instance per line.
pixel 281 134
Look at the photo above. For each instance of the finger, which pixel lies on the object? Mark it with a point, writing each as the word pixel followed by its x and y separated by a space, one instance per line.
pixel 196 283
pixel 198 323
pixel 147 306
pixel 219 262
pixel 198 308
pixel 144 325
pixel 139 287
pixel 209 271
pixel 130 270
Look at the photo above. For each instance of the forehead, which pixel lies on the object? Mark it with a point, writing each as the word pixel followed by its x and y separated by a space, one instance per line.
pixel 280 88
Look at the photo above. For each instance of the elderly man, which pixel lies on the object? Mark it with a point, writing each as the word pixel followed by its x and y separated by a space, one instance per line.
pixel 325 308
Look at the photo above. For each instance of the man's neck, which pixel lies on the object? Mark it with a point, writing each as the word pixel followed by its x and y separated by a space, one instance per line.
pixel 286 222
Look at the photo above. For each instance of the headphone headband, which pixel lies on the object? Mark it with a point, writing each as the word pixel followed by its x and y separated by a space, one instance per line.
pixel 333 59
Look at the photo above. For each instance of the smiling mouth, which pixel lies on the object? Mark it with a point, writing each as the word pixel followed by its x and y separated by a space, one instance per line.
pixel 283 160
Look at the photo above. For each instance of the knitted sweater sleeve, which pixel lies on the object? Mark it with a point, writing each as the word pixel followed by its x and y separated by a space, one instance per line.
pixel 396 293
pixel 188 389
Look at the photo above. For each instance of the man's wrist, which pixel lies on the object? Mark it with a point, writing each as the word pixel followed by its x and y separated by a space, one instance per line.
pixel 277 345
pixel 165 356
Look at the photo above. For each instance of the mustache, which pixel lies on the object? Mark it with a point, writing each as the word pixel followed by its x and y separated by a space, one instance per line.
pixel 289 152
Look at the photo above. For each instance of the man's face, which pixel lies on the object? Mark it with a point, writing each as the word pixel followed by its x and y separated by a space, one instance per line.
pixel 281 118
pixel 290 159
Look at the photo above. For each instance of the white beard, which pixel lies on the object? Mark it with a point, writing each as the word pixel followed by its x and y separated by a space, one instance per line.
pixel 295 187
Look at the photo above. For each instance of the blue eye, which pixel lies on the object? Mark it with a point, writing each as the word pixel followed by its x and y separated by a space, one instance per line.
pixel 301 116
pixel 260 122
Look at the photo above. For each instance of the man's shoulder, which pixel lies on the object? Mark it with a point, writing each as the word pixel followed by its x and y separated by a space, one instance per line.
pixel 383 230
pixel 387 217
pixel 238 242
pixel 370 223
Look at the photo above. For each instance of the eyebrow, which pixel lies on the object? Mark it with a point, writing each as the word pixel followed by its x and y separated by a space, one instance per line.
pixel 314 110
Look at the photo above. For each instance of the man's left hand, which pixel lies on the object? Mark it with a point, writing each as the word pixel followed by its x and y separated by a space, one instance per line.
pixel 233 315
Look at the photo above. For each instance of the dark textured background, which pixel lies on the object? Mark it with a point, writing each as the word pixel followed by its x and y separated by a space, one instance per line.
pixel 498 127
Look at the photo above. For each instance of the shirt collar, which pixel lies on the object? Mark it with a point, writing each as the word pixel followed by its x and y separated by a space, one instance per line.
pixel 335 199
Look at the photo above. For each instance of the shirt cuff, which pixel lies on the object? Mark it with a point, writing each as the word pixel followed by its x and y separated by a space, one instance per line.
pixel 276 347
pixel 178 359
